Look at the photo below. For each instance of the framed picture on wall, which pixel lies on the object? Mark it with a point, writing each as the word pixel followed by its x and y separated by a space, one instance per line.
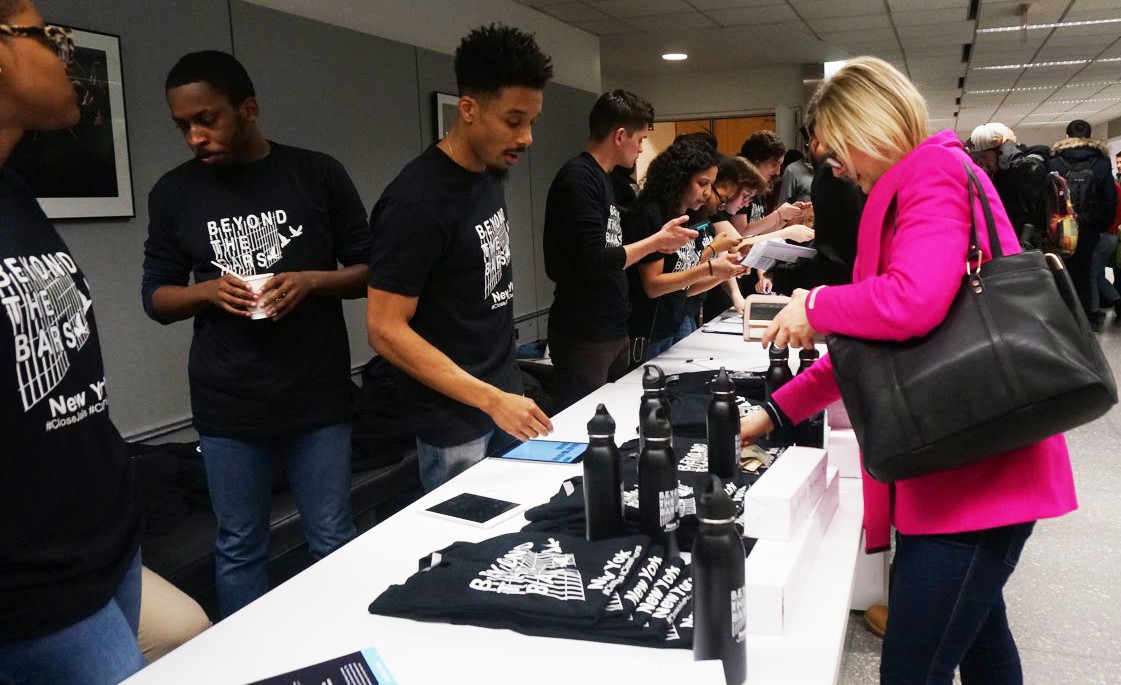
pixel 446 112
pixel 83 171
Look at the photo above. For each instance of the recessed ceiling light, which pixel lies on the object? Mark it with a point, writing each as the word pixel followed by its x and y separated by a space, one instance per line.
pixel 675 56
pixel 1024 89
pixel 1034 65
pixel 1057 25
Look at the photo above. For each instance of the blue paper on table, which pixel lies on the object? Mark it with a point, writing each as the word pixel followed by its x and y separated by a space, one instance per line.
pixel 360 668
pixel 548 451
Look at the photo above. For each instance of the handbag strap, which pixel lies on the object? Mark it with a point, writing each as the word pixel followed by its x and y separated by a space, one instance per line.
pixel 994 240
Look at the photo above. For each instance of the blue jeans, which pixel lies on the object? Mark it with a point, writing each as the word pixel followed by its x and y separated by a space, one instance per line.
pixel 946 608
pixel 688 325
pixel 656 347
pixel 239 475
pixel 98 650
pixel 438 465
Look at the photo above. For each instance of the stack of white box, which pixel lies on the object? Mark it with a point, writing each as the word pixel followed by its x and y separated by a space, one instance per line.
pixel 788 511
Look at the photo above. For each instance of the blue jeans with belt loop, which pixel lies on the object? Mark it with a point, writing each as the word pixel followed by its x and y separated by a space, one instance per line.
pixel 946 608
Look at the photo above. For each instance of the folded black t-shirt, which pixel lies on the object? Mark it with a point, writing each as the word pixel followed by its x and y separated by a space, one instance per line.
pixel 442 235
pixel 538 584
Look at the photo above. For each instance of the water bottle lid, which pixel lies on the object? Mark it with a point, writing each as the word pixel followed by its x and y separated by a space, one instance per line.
pixel 811 353
pixel 653 378
pixel 722 384
pixel 601 425
pixel 777 352
pixel 714 506
pixel 655 425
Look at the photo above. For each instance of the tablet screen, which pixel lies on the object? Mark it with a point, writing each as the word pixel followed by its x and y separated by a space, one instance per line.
pixel 548 451
pixel 765 312
pixel 474 508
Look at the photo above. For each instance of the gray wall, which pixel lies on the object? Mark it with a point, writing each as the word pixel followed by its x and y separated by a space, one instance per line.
pixel 363 99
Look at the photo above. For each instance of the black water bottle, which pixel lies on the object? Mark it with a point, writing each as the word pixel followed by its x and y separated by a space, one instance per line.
pixel 603 486
pixel 811 432
pixel 778 374
pixel 657 482
pixel 806 359
pixel 653 395
pixel 720 622
pixel 723 428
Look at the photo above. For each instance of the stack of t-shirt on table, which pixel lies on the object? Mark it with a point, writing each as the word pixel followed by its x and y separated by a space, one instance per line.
pixel 621 590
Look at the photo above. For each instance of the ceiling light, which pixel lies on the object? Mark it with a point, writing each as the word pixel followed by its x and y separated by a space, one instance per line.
pixel 1033 65
pixel 1024 89
pixel 675 56
pixel 1079 102
pixel 1057 25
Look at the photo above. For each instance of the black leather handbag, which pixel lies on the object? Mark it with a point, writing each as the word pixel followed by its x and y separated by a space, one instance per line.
pixel 1013 362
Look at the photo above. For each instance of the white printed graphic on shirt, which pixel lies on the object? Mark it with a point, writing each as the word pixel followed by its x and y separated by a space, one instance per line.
pixel 687 257
pixel 521 571
pixel 49 317
pixel 246 244
pixel 494 239
pixel 614 228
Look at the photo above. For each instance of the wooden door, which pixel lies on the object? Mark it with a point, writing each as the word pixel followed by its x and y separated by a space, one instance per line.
pixel 730 133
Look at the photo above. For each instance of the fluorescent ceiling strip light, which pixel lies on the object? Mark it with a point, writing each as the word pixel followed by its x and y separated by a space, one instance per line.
pixel 1026 89
pixel 1057 25
pixel 1035 65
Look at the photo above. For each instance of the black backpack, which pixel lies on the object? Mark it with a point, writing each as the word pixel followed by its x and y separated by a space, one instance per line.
pixel 1084 192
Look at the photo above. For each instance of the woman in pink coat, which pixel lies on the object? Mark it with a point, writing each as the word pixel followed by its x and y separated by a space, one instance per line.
pixel 959 533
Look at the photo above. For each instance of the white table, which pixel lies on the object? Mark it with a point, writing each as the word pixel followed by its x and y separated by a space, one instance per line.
pixel 322 613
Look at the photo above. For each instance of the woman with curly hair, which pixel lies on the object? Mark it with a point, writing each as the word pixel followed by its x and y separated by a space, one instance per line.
pixel 678 181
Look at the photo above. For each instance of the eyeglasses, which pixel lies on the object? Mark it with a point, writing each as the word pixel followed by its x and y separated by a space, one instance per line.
pixel 832 161
pixel 58 38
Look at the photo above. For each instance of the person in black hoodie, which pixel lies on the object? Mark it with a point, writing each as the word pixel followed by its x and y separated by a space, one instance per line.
pixel 1084 163
pixel 1020 176
pixel 69 518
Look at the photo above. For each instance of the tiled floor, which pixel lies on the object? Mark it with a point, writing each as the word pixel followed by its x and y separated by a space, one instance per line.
pixel 1064 600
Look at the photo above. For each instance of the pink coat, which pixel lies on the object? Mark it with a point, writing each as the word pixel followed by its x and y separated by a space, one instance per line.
pixel 905 280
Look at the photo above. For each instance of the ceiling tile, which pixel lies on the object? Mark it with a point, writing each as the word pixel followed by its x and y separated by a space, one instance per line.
pixel 825 9
pixel 749 16
pixel 726 4
pixel 920 5
pixel 994 14
pixel 930 17
pixel 574 11
pixel 606 27
pixel 641 8
pixel 671 22
pixel 833 24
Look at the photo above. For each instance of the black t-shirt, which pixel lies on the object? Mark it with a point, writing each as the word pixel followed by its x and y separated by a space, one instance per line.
pixel 441 234
pixel 294 210
pixel 69 523
pixel 704 238
pixel 657 318
pixel 584 253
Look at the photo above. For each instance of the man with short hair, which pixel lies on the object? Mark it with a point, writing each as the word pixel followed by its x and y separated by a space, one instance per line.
pixel 766 150
pixel 1084 163
pixel 440 290
pixel 261 390
pixel 584 251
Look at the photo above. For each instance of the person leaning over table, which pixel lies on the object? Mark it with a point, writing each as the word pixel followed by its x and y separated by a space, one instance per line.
pixel 959 533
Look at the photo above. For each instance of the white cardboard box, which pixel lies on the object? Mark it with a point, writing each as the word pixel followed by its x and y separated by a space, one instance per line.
pixel 844 452
pixel 784 496
pixel 776 571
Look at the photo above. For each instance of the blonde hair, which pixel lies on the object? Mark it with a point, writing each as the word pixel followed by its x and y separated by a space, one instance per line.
pixel 869 106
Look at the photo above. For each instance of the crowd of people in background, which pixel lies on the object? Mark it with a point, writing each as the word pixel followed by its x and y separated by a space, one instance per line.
pixel 253 229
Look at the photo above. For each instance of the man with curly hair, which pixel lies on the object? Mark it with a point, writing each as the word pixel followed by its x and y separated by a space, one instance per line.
pixel 440 290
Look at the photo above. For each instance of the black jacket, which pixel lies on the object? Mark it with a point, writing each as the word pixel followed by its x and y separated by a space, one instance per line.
pixel 1021 182
pixel 1086 150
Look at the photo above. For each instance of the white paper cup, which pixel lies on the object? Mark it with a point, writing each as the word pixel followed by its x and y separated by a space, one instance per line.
pixel 255 284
